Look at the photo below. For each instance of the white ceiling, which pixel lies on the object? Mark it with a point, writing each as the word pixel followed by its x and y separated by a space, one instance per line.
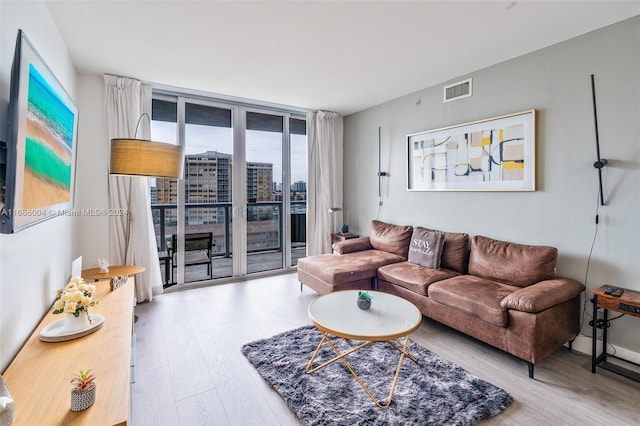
pixel 342 56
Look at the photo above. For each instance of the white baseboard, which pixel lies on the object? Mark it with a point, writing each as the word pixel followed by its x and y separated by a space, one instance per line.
pixel 583 344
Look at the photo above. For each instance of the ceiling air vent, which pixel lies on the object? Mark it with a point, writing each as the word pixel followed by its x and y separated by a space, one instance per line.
pixel 459 90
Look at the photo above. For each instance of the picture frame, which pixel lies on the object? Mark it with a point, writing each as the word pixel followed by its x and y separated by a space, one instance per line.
pixel 494 154
pixel 41 146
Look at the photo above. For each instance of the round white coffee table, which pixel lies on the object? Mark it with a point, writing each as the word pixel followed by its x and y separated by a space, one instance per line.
pixel 389 319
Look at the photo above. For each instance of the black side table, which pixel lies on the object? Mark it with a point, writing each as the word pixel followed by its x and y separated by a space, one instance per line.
pixel 629 304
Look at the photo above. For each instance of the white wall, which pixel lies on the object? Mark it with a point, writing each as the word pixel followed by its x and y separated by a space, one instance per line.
pixel 35 262
pixel 555 81
pixel 93 154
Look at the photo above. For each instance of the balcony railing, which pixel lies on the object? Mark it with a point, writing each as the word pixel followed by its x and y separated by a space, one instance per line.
pixel 264 232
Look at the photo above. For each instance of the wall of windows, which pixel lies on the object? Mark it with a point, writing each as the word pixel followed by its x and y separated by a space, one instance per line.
pixel 244 186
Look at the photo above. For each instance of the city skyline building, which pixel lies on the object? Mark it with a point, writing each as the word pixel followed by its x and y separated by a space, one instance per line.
pixel 208 179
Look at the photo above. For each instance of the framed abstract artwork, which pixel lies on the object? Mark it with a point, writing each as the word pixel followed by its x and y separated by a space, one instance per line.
pixel 41 150
pixel 496 154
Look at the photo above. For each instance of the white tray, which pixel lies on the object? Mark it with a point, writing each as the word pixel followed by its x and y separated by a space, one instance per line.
pixel 54 332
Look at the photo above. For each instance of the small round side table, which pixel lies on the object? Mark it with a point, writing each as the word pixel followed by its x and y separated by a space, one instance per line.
pixel 117 274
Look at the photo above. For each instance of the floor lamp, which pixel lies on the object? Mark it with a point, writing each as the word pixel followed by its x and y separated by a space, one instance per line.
pixel 139 157
pixel 345 219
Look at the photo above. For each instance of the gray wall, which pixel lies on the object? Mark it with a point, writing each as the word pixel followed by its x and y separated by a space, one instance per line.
pixel 561 212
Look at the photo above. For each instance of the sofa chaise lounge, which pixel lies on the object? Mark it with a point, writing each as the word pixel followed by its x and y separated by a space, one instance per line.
pixel 502 293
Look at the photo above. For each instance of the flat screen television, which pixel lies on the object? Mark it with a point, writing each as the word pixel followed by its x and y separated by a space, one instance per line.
pixel 41 146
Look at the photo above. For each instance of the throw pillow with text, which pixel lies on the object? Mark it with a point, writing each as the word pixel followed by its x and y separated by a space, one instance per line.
pixel 426 248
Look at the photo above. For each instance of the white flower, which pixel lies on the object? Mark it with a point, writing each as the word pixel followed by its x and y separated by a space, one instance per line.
pixel 70 308
pixel 77 296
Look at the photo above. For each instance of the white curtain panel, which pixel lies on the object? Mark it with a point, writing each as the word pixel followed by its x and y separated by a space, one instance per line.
pixel 132 238
pixel 324 191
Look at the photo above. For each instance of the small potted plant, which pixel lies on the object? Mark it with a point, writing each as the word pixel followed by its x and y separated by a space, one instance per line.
pixel 364 300
pixel 83 394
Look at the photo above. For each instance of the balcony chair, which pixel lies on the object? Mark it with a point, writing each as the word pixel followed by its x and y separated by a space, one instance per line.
pixel 197 251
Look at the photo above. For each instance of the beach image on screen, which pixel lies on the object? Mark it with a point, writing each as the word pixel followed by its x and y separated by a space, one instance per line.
pixel 48 147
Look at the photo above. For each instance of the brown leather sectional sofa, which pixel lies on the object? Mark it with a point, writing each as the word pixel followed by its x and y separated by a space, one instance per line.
pixel 502 293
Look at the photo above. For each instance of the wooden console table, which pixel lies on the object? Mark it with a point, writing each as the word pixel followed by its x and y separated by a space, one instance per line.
pixel 38 377
pixel 629 304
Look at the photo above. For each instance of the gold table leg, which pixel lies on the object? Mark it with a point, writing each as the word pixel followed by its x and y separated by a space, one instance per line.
pixel 400 347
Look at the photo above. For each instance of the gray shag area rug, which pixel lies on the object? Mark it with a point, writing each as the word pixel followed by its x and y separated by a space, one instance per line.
pixel 433 392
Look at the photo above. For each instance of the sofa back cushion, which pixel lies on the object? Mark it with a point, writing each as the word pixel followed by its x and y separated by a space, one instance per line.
pixel 455 253
pixel 426 248
pixel 511 263
pixel 390 238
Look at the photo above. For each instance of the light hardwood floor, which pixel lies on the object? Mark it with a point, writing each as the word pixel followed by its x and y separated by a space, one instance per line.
pixel 189 369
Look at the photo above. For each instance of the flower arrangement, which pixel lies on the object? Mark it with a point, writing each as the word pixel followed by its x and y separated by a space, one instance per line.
pixel 75 298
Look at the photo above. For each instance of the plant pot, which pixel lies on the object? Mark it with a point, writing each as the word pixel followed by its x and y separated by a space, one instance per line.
pixel 364 304
pixel 81 400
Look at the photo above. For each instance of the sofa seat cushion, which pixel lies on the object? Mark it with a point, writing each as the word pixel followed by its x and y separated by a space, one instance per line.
pixel 413 277
pixel 476 296
pixel 340 269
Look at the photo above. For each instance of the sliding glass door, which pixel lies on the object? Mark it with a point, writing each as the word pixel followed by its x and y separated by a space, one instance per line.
pixel 236 211
pixel 193 216
pixel 264 142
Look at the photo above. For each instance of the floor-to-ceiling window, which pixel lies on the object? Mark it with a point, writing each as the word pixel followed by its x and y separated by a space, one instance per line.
pixel 241 207
pixel 264 145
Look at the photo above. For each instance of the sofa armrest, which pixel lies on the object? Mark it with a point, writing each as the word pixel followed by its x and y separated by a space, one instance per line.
pixel 543 295
pixel 352 245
